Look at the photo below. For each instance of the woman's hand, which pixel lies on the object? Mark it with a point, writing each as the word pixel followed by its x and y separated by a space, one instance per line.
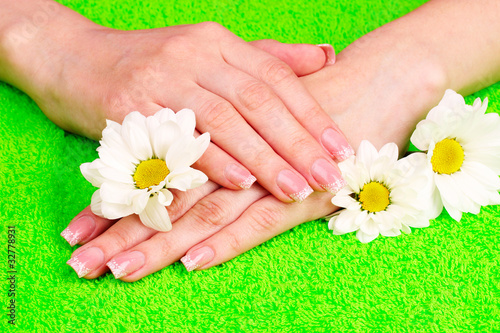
pixel 233 222
pixel 263 122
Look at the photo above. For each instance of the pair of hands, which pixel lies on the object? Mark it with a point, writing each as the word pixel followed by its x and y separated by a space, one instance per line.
pixel 129 70
pixel 213 225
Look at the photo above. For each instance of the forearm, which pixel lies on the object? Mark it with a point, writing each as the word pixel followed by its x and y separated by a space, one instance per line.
pixel 385 82
pixel 28 29
pixel 463 35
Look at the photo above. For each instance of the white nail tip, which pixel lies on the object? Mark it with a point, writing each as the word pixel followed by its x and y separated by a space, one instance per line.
pixel 334 188
pixel 71 238
pixel 78 266
pixel 247 183
pixel 345 153
pixel 116 269
pixel 189 263
pixel 302 195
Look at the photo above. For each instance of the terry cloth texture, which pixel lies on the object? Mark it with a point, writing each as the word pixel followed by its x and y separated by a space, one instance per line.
pixel 442 278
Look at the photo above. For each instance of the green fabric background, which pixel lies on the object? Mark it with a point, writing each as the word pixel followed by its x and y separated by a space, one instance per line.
pixel 442 278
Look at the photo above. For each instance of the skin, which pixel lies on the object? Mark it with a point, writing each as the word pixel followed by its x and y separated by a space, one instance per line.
pixel 230 84
pixel 378 90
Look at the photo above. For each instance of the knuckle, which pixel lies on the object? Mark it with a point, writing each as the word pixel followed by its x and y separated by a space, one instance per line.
pixel 165 247
pixel 118 238
pixel 300 142
pixel 266 218
pixel 179 206
pixel 211 213
pixel 276 72
pixel 256 96
pixel 218 116
pixel 210 27
pixel 234 242
pixel 178 46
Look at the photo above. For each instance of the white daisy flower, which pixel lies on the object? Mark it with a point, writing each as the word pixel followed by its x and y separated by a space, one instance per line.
pixel 140 160
pixel 463 152
pixel 383 196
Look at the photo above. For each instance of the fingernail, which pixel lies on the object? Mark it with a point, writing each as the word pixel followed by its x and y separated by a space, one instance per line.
pixel 336 144
pixel 198 258
pixel 79 230
pixel 239 176
pixel 86 261
pixel 327 176
pixel 329 52
pixel 126 263
pixel 293 185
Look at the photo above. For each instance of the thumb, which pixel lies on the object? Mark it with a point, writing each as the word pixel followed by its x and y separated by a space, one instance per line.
pixel 302 58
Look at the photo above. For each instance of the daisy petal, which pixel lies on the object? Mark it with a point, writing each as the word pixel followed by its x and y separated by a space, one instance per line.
pixel 117 158
pixel 165 115
pixel 369 226
pixel 140 200
pixel 115 192
pixel 155 216
pixel 164 137
pixel 343 199
pixel 90 172
pixel 186 151
pixel 365 238
pixel 366 154
pixel 114 211
pixel 455 213
pixel 95 203
pixel 344 222
pixel 185 179
pixel 390 232
pixel 165 197
pixel 186 121
pixel 135 135
pixel 391 151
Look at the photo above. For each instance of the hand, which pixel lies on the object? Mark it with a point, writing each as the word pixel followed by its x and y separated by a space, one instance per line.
pixel 252 103
pixel 225 224
pixel 133 251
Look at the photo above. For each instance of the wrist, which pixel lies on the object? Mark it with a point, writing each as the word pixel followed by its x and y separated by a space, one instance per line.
pixel 387 63
pixel 379 89
pixel 32 42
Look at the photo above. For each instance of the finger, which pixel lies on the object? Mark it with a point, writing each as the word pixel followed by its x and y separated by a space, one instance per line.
pixel 265 112
pixel 85 227
pixel 234 135
pixel 264 220
pixel 207 217
pixel 90 260
pixel 303 59
pixel 297 100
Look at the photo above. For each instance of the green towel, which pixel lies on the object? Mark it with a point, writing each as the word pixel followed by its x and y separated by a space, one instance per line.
pixel 441 278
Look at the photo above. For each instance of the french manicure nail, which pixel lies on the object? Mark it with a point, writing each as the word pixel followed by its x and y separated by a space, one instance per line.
pixel 198 258
pixel 86 261
pixel 239 176
pixel 293 185
pixel 327 176
pixel 329 52
pixel 79 230
pixel 336 144
pixel 126 263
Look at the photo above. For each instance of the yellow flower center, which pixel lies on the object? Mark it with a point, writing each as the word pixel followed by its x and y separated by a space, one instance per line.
pixel 374 197
pixel 150 173
pixel 447 157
